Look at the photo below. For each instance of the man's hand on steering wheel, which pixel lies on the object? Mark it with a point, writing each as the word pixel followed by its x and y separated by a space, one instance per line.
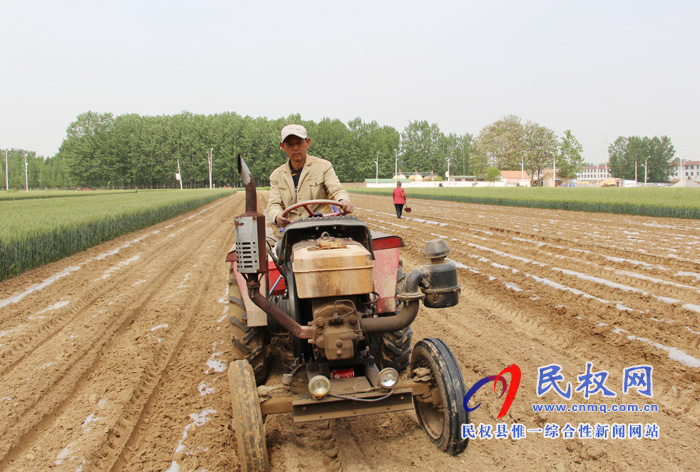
pixel 281 221
pixel 347 206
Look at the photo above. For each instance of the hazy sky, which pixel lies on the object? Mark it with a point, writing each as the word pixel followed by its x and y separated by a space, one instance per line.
pixel 600 68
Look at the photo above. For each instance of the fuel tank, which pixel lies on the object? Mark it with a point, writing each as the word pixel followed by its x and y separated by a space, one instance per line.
pixel 331 267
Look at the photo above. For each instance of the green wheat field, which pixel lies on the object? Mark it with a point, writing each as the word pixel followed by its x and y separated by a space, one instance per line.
pixel 658 202
pixel 44 226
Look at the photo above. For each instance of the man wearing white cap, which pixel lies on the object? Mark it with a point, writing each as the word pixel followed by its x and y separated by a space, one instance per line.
pixel 303 177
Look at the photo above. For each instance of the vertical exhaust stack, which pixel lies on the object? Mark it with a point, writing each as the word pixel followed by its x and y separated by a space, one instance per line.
pixel 251 257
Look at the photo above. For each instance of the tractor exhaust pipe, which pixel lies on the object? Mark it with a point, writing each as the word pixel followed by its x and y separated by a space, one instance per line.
pixel 251 254
pixel 386 324
pixel 297 330
pixel 251 195
pixel 411 298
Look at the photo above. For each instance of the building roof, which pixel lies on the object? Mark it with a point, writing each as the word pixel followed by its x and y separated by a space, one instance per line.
pixel 514 175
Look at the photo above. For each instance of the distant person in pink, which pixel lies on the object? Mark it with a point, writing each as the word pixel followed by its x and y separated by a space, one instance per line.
pixel 399 199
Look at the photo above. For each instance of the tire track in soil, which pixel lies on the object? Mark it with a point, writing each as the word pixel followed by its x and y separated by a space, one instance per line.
pixel 153 377
pixel 186 415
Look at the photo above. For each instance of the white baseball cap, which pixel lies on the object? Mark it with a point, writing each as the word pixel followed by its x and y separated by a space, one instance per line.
pixel 296 130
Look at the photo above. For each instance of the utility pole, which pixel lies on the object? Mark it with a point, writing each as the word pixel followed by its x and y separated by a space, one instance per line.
pixel 179 175
pixel 211 154
pixel 26 174
pixel 554 170
pixel 396 166
pixel 7 179
pixel 680 163
pixel 376 179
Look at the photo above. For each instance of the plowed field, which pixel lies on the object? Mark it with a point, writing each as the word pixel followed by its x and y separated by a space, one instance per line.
pixel 115 358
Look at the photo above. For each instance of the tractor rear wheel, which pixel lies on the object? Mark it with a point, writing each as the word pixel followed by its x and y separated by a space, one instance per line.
pixel 248 341
pixel 440 413
pixel 247 418
pixel 393 349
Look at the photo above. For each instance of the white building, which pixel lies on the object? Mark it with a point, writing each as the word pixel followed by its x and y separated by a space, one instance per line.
pixel 594 173
pixel 691 171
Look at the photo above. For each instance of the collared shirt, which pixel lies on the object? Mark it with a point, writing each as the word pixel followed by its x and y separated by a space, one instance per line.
pixel 296 173
pixel 316 181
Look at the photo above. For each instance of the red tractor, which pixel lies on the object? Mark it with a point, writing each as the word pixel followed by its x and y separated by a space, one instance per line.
pixel 340 292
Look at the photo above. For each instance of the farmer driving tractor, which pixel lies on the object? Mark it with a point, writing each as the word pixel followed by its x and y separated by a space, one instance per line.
pixel 338 292
pixel 303 177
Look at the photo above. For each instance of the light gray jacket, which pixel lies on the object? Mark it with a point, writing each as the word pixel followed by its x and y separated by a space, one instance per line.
pixel 317 181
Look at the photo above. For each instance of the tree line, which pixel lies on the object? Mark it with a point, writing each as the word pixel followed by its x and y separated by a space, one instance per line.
pixel 39 172
pixel 133 151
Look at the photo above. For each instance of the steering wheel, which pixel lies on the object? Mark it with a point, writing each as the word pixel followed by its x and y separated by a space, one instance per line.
pixel 307 203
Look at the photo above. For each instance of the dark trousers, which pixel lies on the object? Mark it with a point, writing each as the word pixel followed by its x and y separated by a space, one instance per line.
pixel 399 209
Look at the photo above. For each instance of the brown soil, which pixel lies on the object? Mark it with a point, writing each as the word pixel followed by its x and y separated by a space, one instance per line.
pixel 114 359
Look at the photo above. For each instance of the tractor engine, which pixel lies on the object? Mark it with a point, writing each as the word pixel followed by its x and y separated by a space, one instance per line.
pixel 332 272
pixel 337 328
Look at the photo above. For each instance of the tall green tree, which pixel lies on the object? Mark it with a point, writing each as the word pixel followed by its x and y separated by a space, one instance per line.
pixel 541 148
pixel 569 160
pixel 508 144
pixel 420 148
pixel 334 142
pixel 124 152
pixel 34 169
pixel 53 174
pixel 85 148
pixel 500 144
pixel 374 150
pixel 634 152
pixel 465 150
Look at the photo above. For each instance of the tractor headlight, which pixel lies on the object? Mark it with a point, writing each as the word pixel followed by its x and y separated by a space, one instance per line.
pixel 388 378
pixel 319 386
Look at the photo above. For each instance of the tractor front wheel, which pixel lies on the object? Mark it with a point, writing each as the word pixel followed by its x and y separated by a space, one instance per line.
pixel 247 418
pixel 440 412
